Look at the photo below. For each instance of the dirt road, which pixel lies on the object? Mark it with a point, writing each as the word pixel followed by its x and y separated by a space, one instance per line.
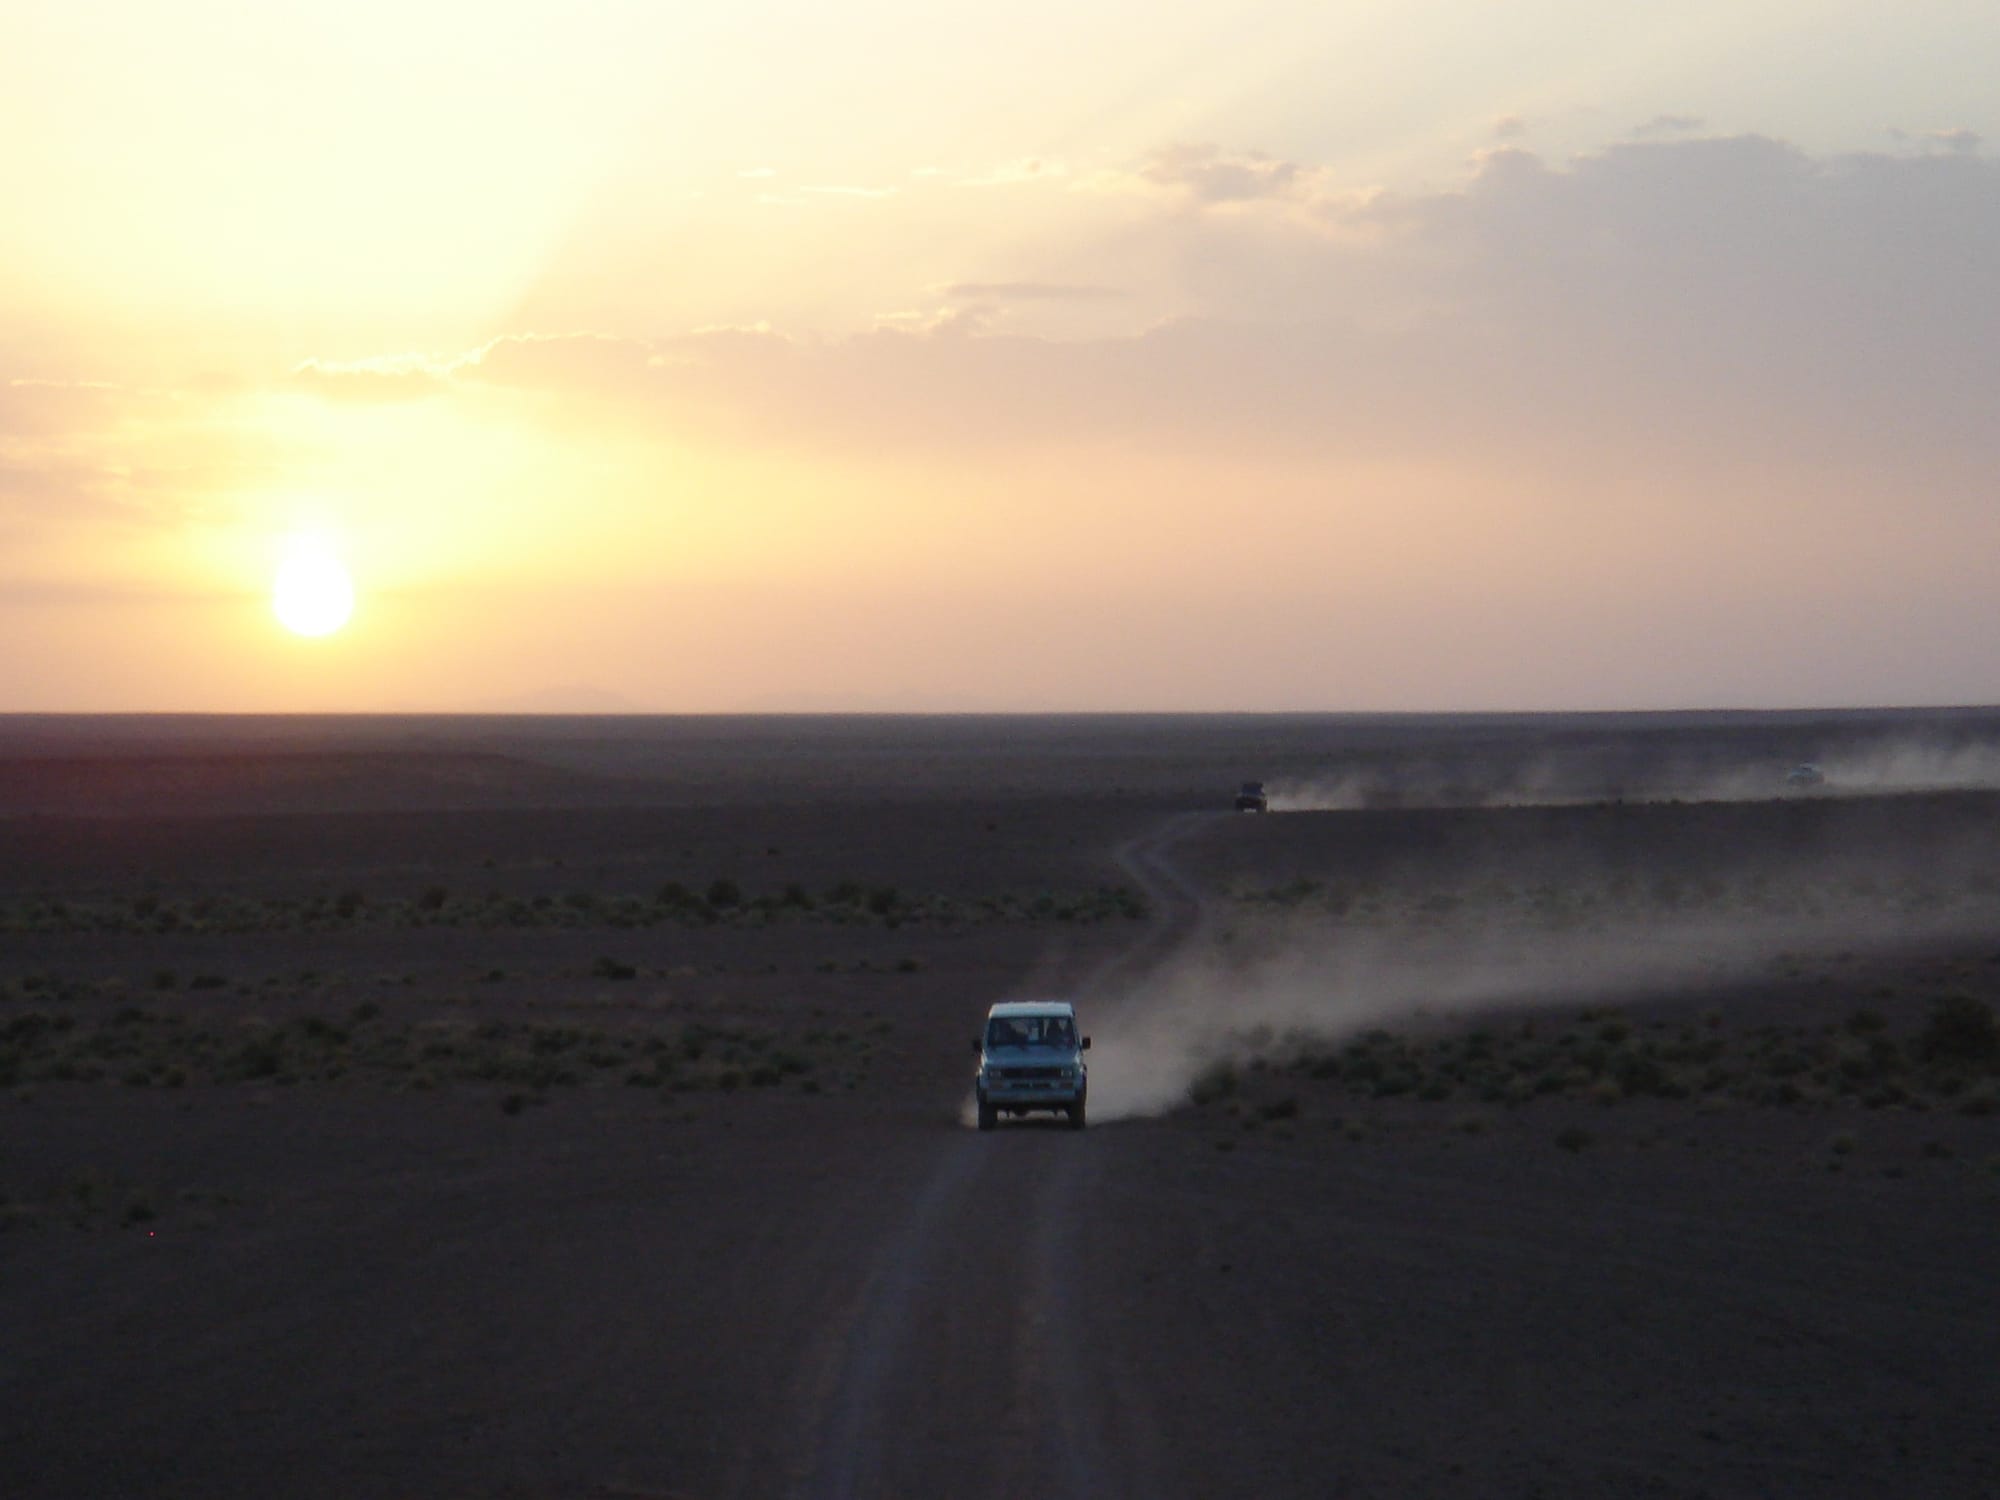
pixel 986 1256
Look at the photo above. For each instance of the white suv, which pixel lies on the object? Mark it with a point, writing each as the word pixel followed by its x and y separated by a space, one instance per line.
pixel 1031 1057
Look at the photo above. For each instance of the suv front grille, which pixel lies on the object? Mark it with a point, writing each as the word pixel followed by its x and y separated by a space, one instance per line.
pixel 1024 1075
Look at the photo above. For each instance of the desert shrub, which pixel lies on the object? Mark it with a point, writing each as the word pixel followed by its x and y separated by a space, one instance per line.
pixel 261 1057
pixel 1639 1073
pixel 724 893
pixel 1279 1109
pixel 1574 1138
pixel 611 968
pixel 882 900
pixel 549 1040
pixel 796 895
pixel 21 1033
pixel 1358 1064
pixel 432 899
pixel 680 901
pixel 1216 1082
pixel 347 905
pixel 1961 1029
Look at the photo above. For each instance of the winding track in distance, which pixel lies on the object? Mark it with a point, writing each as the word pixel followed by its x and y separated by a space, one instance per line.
pixel 971 1322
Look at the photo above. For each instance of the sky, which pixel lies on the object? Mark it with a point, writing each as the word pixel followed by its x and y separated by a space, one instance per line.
pixel 1421 354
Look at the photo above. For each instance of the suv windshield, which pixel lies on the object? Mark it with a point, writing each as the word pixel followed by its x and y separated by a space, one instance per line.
pixel 1055 1032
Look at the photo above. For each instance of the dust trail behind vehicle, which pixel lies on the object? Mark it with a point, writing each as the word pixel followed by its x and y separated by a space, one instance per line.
pixel 1515 926
pixel 1886 766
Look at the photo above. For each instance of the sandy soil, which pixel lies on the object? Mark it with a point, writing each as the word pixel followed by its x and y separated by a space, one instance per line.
pixel 396 1108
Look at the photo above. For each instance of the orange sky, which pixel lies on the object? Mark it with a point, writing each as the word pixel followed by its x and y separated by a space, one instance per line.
pixel 1425 355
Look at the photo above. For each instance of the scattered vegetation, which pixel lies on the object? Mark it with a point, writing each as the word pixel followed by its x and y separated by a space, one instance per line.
pixel 138 1048
pixel 96 1199
pixel 1580 905
pixel 723 900
pixel 1601 1057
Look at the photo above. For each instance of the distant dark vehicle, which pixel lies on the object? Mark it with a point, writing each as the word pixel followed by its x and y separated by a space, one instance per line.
pixel 1803 778
pixel 1250 797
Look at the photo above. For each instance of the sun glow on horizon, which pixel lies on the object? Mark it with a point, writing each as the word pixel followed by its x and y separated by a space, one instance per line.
pixel 312 594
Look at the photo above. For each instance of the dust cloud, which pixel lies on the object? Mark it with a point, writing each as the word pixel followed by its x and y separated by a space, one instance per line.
pixel 1237 995
pixel 1897 766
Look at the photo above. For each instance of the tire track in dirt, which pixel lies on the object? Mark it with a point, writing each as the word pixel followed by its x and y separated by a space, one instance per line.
pixel 853 1409
pixel 1108 1439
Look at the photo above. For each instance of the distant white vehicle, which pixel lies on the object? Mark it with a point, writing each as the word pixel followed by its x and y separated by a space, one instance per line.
pixel 1031 1058
pixel 1804 777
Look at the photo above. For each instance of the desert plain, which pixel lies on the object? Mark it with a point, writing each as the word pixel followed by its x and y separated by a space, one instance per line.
pixel 1525 1106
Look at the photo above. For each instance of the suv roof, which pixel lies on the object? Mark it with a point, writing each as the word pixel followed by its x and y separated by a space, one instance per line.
pixel 1032 1008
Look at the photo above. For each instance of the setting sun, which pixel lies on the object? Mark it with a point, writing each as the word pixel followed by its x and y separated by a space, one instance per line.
pixel 312 594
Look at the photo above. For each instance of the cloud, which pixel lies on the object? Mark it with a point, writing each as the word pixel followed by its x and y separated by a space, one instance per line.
pixel 1029 291
pixel 841 191
pixel 1668 125
pixel 1785 308
pixel 31 405
pixel 30 593
pixel 78 455
pixel 1960 141
pixel 574 361
pixel 1509 127
pixel 1027 170
pixel 1211 176
pixel 400 377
